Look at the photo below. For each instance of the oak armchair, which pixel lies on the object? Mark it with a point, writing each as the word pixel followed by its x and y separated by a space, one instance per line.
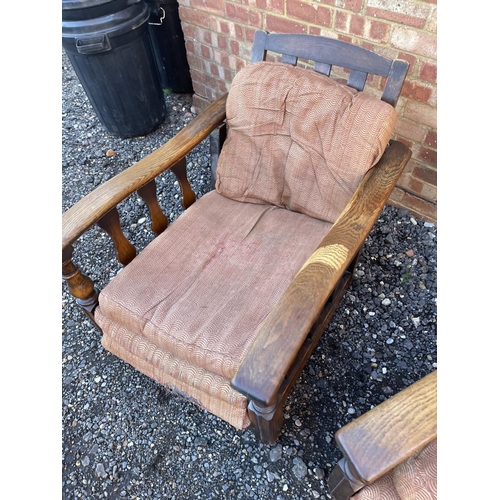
pixel 226 305
pixel 390 452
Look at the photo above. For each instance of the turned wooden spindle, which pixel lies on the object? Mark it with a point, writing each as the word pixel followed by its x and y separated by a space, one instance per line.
pixel 188 196
pixel 159 221
pixel 80 286
pixel 111 224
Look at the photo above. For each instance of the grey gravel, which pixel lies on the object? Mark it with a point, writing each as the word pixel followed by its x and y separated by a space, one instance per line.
pixel 124 436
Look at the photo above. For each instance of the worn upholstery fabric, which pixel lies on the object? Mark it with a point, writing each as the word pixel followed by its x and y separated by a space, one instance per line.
pixel 298 139
pixel 211 392
pixel 187 308
pixel 413 479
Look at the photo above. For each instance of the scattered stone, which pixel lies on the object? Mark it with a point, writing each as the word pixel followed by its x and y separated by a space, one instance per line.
pixel 270 476
pixel 100 471
pixel 299 469
pixel 200 441
pixel 319 473
pixel 276 453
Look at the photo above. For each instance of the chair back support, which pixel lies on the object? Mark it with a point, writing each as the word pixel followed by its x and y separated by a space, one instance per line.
pixel 328 52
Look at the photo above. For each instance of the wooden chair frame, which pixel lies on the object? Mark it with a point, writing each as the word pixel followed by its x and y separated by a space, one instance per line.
pixel 295 325
pixel 384 437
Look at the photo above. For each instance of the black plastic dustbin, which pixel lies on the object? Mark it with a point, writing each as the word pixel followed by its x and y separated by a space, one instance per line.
pixel 169 46
pixel 109 45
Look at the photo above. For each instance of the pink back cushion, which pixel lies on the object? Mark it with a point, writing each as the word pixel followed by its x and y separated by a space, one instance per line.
pixel 299 140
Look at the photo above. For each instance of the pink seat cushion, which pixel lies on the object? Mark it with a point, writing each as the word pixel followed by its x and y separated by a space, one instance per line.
pixel 298 139
pixel 191 303
pixel 212 392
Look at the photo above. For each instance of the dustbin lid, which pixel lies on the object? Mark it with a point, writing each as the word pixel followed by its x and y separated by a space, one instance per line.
pixel 112 25
pixel 74 10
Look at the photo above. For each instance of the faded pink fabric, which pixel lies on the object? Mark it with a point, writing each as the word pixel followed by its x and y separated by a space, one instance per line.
pixel 211 392
pixel 299 140
pixel 413 479
pixel 198 294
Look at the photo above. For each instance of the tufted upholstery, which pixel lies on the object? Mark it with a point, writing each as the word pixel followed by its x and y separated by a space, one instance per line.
pixel 298 139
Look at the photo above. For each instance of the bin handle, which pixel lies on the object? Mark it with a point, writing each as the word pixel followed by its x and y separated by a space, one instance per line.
pixel 91 45
pixel 162 17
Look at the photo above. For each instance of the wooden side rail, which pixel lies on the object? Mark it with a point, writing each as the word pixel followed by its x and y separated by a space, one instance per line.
pixel 267 420
pixel 382 438
pixel 285 330
pixel 79 285
pixel 159 221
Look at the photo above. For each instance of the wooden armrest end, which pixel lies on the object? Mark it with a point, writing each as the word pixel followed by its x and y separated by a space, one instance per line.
pixel 283 333
pixel 377 441
pixel 90 209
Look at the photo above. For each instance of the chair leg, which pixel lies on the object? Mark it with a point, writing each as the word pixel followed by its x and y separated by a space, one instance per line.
pixel 266 421
pixel 79 285
pixel 339 486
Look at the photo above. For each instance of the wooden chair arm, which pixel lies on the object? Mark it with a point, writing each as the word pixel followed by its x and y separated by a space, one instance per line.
pixel 384 437
pixel 90 209
pixel 283 333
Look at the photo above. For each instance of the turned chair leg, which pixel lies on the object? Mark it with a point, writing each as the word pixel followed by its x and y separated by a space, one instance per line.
pixel 266 421
pixel 342 483
pixel 79 285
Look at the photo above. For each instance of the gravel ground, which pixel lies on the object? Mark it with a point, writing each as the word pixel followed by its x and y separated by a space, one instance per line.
pixel 124 436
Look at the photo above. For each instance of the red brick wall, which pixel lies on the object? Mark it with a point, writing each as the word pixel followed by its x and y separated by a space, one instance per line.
pixel 219 36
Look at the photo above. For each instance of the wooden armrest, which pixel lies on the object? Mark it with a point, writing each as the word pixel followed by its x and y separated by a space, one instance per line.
pixel 90 209
pixel 283 333
pixel 376 442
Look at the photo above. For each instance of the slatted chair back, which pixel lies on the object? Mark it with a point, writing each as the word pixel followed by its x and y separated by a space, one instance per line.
pixel 328 52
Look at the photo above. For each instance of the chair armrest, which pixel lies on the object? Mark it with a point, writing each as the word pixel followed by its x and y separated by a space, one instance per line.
pixel 385 436
pixel 86 212
pixel 288 324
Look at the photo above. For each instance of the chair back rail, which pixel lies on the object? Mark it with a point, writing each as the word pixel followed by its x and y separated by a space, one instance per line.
pixel 328 52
